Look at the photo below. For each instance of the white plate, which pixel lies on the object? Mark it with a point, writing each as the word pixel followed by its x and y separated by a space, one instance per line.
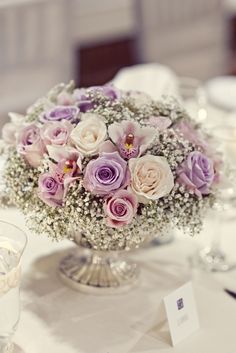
pixel 221 91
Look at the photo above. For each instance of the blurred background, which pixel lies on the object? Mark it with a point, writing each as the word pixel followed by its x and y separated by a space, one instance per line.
pixel 43 42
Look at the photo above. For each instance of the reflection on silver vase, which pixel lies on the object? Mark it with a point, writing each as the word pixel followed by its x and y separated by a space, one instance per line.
pixel 98 272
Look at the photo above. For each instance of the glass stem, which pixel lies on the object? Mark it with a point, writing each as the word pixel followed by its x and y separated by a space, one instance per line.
pixel 216 239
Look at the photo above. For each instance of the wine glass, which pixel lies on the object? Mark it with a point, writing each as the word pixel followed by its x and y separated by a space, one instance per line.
pixel 213 258
pixel 12 244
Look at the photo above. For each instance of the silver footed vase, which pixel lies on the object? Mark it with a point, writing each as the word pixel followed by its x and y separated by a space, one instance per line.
pixel 90 268
pixel 98 272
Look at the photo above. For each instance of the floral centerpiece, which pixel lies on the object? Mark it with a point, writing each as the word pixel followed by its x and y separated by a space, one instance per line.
pixel 107 168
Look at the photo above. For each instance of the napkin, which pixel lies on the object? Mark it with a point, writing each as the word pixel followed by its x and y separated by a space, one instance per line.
pixel 153 79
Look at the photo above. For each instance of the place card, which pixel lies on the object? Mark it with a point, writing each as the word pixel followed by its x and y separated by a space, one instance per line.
pixel 181 313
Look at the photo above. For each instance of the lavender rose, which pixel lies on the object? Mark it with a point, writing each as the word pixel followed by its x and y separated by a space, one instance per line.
pixel 85 103
pixel 197 173
pixel 120 208
pixel 106 174
pixel 50 190
pixel 56 132
pixel 60 112
pixel 108 91
pixel 30 145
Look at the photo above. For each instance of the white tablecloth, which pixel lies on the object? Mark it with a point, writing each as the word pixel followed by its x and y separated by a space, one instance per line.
pixel 56 319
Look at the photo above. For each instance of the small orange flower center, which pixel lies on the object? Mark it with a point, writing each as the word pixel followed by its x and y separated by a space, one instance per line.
pixel 129 141
pixel 68 166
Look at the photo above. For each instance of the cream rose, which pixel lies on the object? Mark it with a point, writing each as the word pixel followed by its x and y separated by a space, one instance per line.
pixel 88 135
pixel 151 177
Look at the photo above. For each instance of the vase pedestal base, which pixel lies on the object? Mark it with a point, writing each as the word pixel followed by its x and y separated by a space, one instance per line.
pixel 98 274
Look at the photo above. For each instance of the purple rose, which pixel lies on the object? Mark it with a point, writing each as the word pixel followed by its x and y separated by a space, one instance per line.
pixel 50 190
pixel 121 208
pixel 30 145
pixel 106 174
pixel 108 91
pixel 69 112
pixel 84 101
pixel 196 173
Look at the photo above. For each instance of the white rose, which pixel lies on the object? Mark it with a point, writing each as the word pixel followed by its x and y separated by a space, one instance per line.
pixel 151 177
pixel 88 135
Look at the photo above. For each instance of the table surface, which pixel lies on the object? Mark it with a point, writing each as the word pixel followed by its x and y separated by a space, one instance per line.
pixel 57 319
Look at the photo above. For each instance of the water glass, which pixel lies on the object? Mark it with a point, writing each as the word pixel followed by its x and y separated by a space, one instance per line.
pixel 213 258
pixel 12 244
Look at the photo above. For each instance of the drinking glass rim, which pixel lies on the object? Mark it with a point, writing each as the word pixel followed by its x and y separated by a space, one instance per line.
pixel 20 230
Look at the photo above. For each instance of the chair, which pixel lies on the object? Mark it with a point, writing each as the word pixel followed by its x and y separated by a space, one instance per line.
pixel 35 50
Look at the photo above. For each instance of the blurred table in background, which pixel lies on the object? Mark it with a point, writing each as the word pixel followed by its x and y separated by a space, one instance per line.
pixel 44 42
